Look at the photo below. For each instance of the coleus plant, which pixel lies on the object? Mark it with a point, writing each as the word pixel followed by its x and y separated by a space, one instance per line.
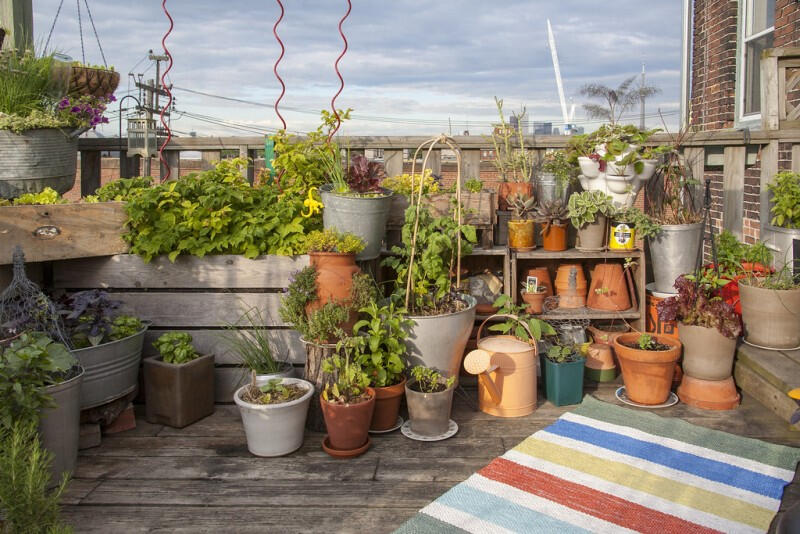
pixel 364 176
pixel 696 305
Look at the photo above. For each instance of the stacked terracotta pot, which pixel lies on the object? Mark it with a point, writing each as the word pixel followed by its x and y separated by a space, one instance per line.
pixel 707 365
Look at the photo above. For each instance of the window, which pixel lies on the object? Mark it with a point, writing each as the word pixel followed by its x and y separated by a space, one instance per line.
pixel 757 28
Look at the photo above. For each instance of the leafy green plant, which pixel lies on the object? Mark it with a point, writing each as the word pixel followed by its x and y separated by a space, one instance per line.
pixel 517 327
pixel 26 83
pixel 324 324
pixel 522 205
pixel 216 212
pixel 431 289
pixel 584 208
pixel 645 341
pixel 785 190
pixel 513 161
pixel 91 317
pixel 402 184
pixel 329 240
pixel 275 391
pixel 253 345
pixel 697 305
pixel 45 197
pixel 123 189
pixel 551 211
pixel 27 365
pixel 670 193
pixel 781 280
pixel 124 326
pixel 346 381
pixel 176 348
pixel 732 254
pixel 379 343
pixel 302 291
pixel 557 163
pixel 427 380
pixel 473 185
pixel 615 101
pixel 561 353
pixel 645 225
pixel 26 503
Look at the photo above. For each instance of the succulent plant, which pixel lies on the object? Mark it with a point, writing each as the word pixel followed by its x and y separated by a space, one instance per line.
pixel 521 204
pixel 551 211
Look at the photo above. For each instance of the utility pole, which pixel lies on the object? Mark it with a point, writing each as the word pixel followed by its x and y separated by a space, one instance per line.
pixel 641 99
pixel 16 18
pixel 152 90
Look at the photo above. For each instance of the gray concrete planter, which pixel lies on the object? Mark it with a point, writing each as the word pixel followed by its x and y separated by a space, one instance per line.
pixel 363 216
pixel 177 395
pixel 673 252
pixel 429 413
pixel 707 354
pixel 438 341
pixel 112 369
pixel 592 236
pixel 35 159
pixel 59 426
pixel 771 317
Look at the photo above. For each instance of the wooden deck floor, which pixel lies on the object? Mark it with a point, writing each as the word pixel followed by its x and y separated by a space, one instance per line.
pixel 202 479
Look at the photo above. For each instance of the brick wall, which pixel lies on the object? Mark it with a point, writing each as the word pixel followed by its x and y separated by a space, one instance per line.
pixel 787 23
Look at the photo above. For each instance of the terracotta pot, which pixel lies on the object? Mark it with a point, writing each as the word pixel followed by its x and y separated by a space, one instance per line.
pixel 348 424
pixel 707 354
pixel 508 188
pixel 600 365
pixel 571 286
pixel 771 317
pixel 334 276
pixel 709 394
pixel 647 373
pixel 542 274
pixel 605 334
pixel 609 289
pixel 521 236
pixel 387 406
pixel 554 237
pixel 592 236
pixel 535 301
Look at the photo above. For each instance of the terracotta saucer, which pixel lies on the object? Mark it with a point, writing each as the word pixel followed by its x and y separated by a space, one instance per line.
pixel 709 394
pixel 338 453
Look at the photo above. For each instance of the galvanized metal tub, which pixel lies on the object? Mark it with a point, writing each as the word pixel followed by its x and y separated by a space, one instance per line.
pixel 673 252
pixel 35 159
pixel 112 369
pixel 59 426
pixel 363 216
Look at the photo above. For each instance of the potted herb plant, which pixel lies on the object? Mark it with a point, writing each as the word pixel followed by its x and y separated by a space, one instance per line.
pixel 274 414
pixel 107 344
pixel 628 225
pixel 429 394
pixel 521 236
pixel 552 216
pixel 40 383
pixel 354 200
pixel 563 373
pixel 513 161
pixel 785 209
pixel 533 295
pixel 648 365
pixel 347 404
pixel 557 174
pixel 737 260
pixel 333 256
pixel 771 309
pixel 379 347
pixel 178 382
pixel 589 211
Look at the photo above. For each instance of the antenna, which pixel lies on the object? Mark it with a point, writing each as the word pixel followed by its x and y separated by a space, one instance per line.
pixel 552 42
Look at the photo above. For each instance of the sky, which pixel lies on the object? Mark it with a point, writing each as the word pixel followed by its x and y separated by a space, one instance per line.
pixel 412 67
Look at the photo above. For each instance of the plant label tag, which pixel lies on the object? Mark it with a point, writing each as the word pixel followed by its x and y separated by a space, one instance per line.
pixel 532 284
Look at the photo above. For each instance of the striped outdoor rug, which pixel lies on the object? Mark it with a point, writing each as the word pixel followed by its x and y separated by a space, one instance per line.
pixel 604 468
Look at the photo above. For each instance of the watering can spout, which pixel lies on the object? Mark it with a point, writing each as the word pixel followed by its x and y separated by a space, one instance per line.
pixel 478 362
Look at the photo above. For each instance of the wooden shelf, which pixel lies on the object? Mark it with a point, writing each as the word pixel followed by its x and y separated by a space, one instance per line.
pixel 587 313
pixel 573 253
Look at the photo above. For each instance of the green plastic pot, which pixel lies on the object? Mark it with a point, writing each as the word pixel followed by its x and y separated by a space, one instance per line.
pixel 563 381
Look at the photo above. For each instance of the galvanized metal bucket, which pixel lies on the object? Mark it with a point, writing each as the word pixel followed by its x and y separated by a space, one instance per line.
pixel 59 426
pixel 35 159
pixel 112 369
pixel 673 252
pixel 364 216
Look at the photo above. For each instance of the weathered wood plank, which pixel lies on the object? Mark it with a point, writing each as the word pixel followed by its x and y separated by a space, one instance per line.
pixel 733 190
pixel 695 160
pixel 767 394
pixel 129 271
pixel 479 208
pixel 773 366
pixel 470 164
pixel 423 469
pixel 770 100
pixel 62 231
pixel 769 168
pixel 91 169
pixel 77 490
pixel 393 162
pixel 172 309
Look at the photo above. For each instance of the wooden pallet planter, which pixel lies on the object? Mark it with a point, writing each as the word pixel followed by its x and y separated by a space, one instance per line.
pixel 767 376
pixel 479 211
pixel 62 231
pixel 200 296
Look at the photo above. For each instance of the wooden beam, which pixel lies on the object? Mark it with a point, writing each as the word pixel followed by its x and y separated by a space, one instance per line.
pixel 249 171
pixel 471 164
pixel 733 190
pixel 16 18
pixel 695 160
pixel 173 158
pixel 393 162
pixel 769 168
pixel 91 165
pixel 769 94
pixel 129 166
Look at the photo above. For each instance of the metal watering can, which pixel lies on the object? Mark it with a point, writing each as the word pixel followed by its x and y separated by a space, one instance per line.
pixel 506 369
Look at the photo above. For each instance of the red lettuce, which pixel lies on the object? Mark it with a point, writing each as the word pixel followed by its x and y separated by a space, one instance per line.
pixel 696 305
pixel 364 176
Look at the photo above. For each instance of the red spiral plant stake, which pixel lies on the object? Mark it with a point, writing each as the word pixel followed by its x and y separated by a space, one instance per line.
pixel 275 67
pixel 339 74
pixel 169 94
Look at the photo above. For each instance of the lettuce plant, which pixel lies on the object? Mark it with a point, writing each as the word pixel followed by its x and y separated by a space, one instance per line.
pixel 696 305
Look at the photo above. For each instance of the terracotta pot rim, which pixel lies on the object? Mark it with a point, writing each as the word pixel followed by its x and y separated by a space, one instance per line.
pixel 344 453
pixel 370 390
pixel 387 392
pixel 332 254
pixel 647 356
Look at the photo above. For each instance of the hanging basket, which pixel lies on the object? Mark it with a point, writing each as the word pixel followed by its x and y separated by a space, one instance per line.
pixel 89 81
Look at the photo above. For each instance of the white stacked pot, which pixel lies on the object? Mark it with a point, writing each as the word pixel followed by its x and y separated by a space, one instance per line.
pixel 622 183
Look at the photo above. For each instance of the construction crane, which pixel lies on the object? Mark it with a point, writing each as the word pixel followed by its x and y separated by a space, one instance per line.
pixel 551 41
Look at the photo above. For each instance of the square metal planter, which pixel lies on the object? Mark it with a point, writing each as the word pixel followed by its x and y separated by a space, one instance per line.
pixel 178 395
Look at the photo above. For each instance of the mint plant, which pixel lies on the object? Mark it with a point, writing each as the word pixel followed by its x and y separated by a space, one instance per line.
pixel 785 190
pixel 379 343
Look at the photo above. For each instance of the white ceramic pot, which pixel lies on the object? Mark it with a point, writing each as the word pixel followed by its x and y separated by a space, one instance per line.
pixel 275 429
pixel 589 167
pixel 650 166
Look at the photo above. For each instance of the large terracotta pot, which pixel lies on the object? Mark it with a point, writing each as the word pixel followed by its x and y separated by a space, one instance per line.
pixel 348 424
pixel 542 274
pixel 508 188
pixel 535 301
pixel 609 289
pixel 707 354
pixel 521 236
pixel 387 406
pixel 554 237
pixel 571 286
pixel 771 317
pixel 334 276
pixel 647 373
pixel 709 394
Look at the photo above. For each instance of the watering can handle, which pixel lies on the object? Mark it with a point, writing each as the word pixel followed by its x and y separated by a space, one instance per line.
pixel 531 342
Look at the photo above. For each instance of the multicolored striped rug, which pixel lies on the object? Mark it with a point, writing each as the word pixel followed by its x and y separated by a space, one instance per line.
pixel 604 468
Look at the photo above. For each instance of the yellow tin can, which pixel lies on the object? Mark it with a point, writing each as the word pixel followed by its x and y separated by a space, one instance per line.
pixel 622 236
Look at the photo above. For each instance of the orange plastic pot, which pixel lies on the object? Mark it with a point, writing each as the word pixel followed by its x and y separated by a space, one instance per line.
pixel 521 236
pixel 647 374
pixel 554 237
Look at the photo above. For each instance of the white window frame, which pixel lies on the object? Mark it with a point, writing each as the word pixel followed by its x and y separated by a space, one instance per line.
pixel 751 120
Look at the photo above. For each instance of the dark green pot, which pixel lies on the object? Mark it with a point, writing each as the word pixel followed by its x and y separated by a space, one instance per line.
pixel 563 381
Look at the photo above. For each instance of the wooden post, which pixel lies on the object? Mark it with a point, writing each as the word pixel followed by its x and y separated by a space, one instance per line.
pixel 313 373
pixel 91 165
pixel 733 189
pixel 209 158
pixel 471 164
pixel 249 172
pixel 695 158
pixel 434 161
pixel 129 166
pixel 393 162
pixel 16 18
pixel 769 92
pixel 173 158
pixel 769 168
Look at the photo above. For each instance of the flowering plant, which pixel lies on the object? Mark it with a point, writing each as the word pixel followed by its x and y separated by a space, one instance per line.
pixel 696 305
pixel 85 111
